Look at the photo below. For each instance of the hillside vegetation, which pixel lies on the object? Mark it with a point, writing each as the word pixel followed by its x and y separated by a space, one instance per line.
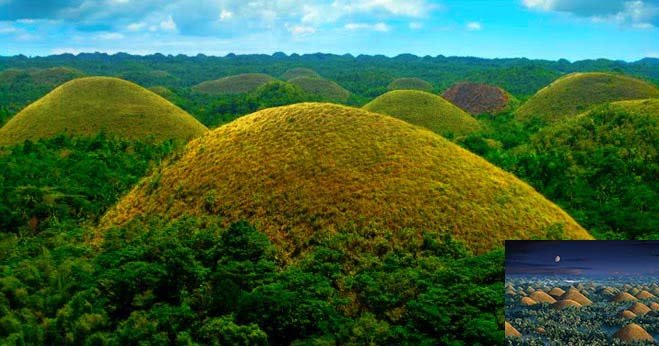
pixel 602 167
pixel 480 98
pixel 410 83
pixel 237 84
pixel 88 106
pixel 299 72
pixel 326 90
pixel 307 171
pixel 578 92
pixel 426 110
pixel 19 87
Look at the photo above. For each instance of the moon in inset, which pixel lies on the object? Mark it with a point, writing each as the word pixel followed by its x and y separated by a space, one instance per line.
pixel 557 259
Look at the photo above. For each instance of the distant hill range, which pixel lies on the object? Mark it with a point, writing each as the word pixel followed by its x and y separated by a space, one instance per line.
pixel 362 75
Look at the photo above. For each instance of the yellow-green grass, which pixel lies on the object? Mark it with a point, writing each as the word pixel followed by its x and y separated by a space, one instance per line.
pixel 578 92
pixel 425 109
pixel 88 106
pixel 236 84
pixel 646 106
pixel 411 83
pixel 323 88
pixel 304 172
pixel 475 98
pixel 299 72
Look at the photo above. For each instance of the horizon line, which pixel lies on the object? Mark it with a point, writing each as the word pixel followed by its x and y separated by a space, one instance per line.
pixel 279 53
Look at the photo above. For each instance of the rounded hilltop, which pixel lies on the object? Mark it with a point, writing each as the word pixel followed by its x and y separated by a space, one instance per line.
pixel 578 92
pixel 314 169
pixel 325 89
pixel 299 72
pixel 477 99
pixel 91 105
pixel 236 84
pixel 410 83
pixel 633 333
pixel 425 109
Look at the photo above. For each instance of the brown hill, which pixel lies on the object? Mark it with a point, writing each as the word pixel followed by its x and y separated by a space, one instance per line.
pixel 633 333
pixel 477 98
pixel 574 294
pixel 526 301
pixel 645 295
pixel 565 303
pixel 511 331
pixel 556 292
pixel 542 297
pixel 639 309
pixel 624 297
pixel 626 314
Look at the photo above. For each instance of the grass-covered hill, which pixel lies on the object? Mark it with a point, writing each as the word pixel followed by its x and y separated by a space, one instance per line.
pixel 410 83
pixel 578 92
pixel 601 167
pixel 425 109
pixel 88 106
pixel 299 72
pixel 236 84
pixel 323 88
pixel 19 87
pixel 477 98
pixel 303 172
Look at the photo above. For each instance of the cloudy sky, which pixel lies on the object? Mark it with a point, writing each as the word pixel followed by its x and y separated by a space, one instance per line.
pixel 552 29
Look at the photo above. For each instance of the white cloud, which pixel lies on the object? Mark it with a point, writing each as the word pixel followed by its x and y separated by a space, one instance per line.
pixel 474 26
pixel 168 24
pixel 416 25
pixel 381 27
pixel 225 15
pixel 409 8
pixel 300 30
pixel 136 26
pixel 7 29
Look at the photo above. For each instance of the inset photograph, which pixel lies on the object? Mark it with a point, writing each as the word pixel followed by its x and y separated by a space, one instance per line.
pixel 582 292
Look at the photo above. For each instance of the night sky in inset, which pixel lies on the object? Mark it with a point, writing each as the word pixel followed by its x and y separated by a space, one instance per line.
pixel 582 258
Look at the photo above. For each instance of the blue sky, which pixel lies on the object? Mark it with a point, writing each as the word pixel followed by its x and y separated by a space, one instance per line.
pixel 550 29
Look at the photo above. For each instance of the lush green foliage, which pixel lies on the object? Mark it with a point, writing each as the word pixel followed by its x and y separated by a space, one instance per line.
pixel 299 72
pixel 193 282
pixel 69 179
pixel 19 87
pixel 601 168
pixel 216 110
